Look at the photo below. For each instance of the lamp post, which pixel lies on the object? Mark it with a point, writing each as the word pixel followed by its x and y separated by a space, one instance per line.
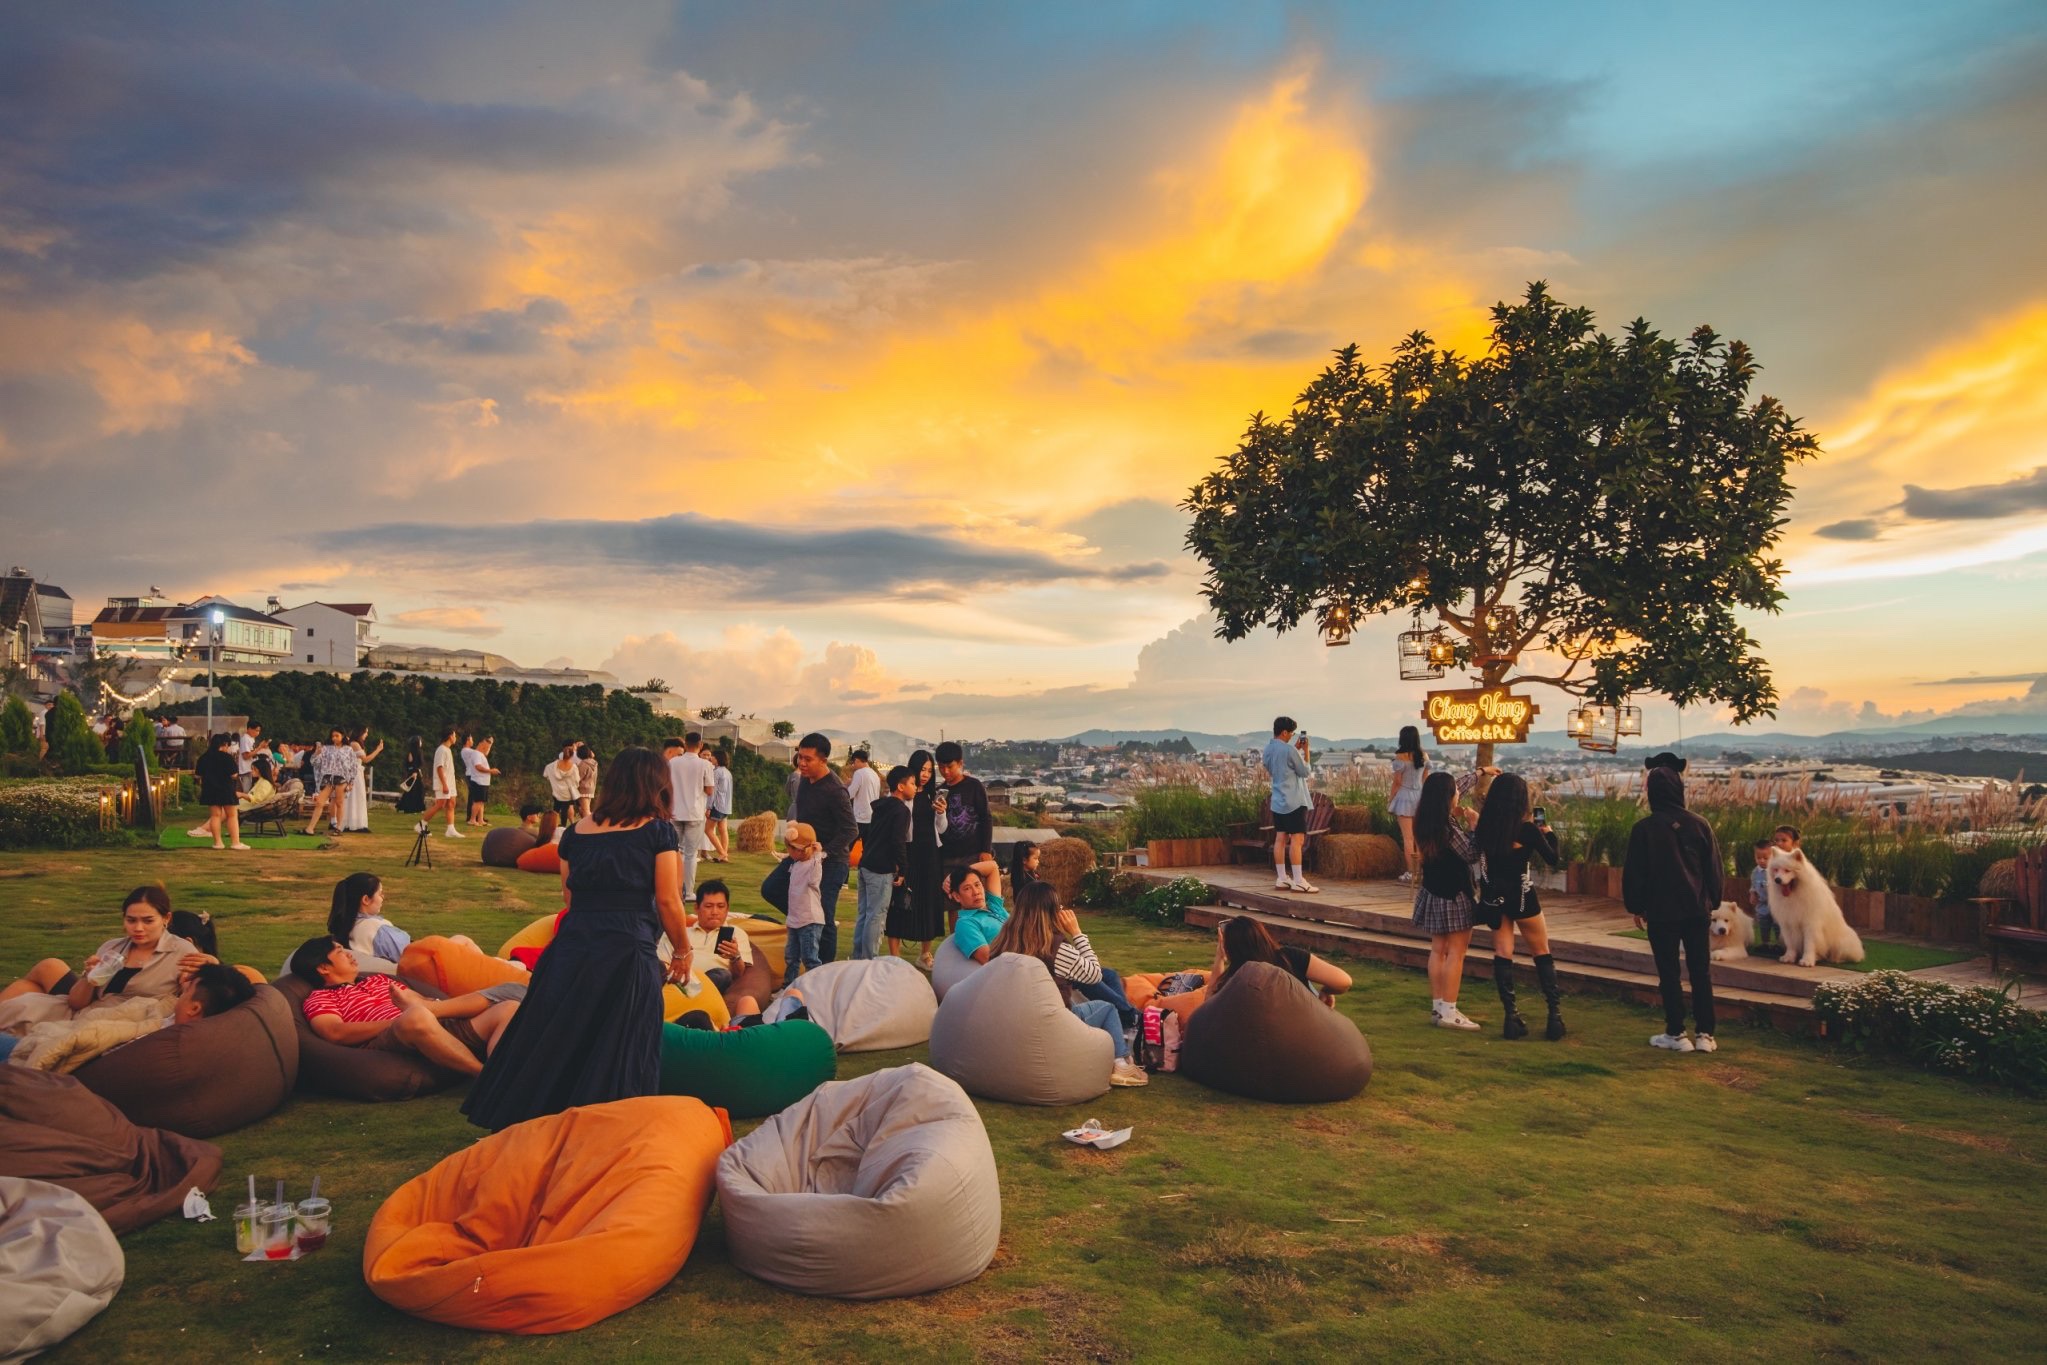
pixel 215 618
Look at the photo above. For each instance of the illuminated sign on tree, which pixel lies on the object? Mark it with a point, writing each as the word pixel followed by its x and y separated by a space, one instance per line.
pixel 1479 715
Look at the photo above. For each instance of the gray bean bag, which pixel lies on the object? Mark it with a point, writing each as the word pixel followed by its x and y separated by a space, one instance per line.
pixel 355 1073
pixel 206 1077
pixel 59 1261
pixel 872 1188
pixel 869 1006
pixel 1005 1033
pixel 1267 1037
pixel 52 1128
pixel 949 967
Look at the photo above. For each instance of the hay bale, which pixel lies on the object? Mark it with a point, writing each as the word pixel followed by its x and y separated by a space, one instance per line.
pixel 2001 879
pixel 1354 820
pixel 757 833
pixel 1356 857
pixel 1063 862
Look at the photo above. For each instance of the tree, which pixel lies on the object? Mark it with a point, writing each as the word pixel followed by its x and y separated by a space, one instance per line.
pixel 655 685
pixel 713 712
pixel 138 737
pixel 783 728
pixel 1597 508
pixel 91 677
pixel 73 746
pixel 17 728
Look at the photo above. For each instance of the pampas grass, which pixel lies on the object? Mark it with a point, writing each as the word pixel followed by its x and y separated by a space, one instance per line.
pixel 1063 862
pixel 1356 857
pixel 757 833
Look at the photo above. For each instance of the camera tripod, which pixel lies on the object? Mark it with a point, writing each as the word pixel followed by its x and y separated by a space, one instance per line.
pixel 422 854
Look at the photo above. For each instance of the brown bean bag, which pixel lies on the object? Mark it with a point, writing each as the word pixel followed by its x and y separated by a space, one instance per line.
pixel 541 858
pixel 1267 1037
pixel 52 1128
pixel 554 1223
pixel 206 1077
pixel 503 847
pixel 453 968
pixel 355 1073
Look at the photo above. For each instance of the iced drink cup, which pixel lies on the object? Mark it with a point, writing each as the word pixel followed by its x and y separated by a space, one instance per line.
pixel 313 1218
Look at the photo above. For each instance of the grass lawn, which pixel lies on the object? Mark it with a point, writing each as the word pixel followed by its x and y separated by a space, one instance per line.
pixel 1878 955
pixel 1591 1199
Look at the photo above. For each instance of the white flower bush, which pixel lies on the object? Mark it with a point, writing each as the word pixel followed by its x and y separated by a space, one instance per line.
pixel 58 813
pixel 1970 1032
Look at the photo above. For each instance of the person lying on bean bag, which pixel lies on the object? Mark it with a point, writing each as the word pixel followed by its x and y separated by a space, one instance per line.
pixel 52 1128
pixel 64 1045
pixel 382 1014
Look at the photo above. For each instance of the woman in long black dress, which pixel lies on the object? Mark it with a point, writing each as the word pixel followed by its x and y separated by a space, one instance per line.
pixel 590 1028
pixel 412 799
pixel 918 914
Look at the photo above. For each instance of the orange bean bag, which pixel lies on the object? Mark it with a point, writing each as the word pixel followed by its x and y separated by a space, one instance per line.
pixel 674 1004
pixel 554 1223
pixel 1141 989
pixel 455 968
pixel 542 858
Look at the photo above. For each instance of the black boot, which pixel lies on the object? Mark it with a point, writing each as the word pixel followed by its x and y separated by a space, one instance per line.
pixel 1546 975
pixel 1513 1026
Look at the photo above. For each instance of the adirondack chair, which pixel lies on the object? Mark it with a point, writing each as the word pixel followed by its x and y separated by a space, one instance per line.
pixel 1253 843
pixel 2023 929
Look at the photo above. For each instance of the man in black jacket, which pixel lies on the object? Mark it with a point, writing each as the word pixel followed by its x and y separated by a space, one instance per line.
pixel 1670 884
pixel 819 799
pixel 884 861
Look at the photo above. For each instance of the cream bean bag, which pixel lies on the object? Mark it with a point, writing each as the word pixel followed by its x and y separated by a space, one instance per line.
pixel 871 1188
pixel 1267 1037
pixel 1005 1033
pixel 869 1006
pixel 59 1261
pixel 949 967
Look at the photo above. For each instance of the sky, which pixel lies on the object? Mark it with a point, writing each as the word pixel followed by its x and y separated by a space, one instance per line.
pixel 848 363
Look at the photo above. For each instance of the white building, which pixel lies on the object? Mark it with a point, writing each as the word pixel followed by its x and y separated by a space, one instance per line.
pixel 330 634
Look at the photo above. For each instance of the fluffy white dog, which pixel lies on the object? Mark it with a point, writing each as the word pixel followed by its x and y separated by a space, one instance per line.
pixel 1807 916
pixel 1732 932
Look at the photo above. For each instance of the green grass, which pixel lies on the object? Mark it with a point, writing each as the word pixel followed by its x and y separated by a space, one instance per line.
pixel 1590 1199
pixel 180 837
pixel 1879 955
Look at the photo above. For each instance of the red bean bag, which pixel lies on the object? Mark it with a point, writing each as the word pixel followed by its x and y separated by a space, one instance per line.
pixel 554 1223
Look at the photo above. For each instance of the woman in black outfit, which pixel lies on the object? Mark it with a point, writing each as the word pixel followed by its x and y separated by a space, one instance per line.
pixel 220 792
pixel 412 800
pixel 918 916
pixel 1506 836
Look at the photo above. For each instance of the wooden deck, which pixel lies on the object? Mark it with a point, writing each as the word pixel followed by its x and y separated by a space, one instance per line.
pixel 1374 920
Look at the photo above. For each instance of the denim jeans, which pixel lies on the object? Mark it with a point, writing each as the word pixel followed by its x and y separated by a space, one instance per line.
pixel 689 835
pixel 775 891
pixel 875 890
pixel 1103 1016
pixel 1109 990
pixel 800 951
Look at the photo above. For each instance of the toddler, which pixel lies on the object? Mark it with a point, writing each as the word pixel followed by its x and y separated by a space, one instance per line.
pixel 1759 891
pixel 806 904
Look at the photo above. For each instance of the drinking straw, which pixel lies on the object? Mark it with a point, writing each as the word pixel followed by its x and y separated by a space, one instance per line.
pixel 252 1191
pixel 280 1191
pixel 316 1186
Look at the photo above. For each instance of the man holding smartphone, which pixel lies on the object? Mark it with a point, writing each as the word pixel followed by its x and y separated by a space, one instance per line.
pixel 738 973
pixel 1286 762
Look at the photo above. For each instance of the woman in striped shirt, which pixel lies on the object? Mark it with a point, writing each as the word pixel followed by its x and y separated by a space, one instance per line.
pixel 1038 928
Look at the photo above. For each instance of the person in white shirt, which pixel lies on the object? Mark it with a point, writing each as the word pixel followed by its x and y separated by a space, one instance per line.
pixel 172 738
pixel 721 805
pixel 476 763
pixel 443 795
pixel 742 976
pixel 863 785
pixel 245 751
pixel 689 777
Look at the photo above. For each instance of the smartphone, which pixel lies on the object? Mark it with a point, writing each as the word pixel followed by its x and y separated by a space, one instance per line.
pixel 724 934
pixel 1540 818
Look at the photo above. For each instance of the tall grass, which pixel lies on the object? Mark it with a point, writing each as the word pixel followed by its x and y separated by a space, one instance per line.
pixel 1188 812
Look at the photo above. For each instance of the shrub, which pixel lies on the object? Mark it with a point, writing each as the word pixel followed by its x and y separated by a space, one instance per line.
pixel 138 738
pixel 73 746
pixel 1063 862
pixel 1187 812
pixel 1169 904
pixel 1103 888
pixel 17 728
pixel 1974 1032
pixel 53 814
pixel 1112 837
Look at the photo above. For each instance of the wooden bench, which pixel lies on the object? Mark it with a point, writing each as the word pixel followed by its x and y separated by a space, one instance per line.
pixel 2022 929
pixel 1252 839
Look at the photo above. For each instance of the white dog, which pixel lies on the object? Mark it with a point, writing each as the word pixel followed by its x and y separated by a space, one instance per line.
pixel 1732 932
pixel 1807 916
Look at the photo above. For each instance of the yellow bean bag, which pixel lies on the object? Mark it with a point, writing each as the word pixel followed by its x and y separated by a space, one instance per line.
pixel 455 968
pixel 554 1223
pixel 674 1004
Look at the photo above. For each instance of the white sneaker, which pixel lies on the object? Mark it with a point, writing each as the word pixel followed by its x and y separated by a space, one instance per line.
pixel 419 828
pixel 1278 883
pixel 1127 1072
pixel 1407 877
pixel 1671 1042
pixel 200 833
pixel 1704 1043
pixel 1454 1018
pixel 454 833
pixel 1301 884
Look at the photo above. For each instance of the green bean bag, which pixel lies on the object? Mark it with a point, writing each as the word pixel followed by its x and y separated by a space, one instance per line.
pixel 749 1072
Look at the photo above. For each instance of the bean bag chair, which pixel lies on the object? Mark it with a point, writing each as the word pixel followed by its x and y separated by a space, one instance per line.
pixel 369 964
pixel 60 1262
pixel 354 1073
pixel 768 937
pixel 674 1004
pixel 503 847
pixel 872 1188
pixel 747 1072
pixel 541 858
pixel 209 1076
pixel 1141 989
pixel 949 967
pixel 868 1006
pixel 554 1223
pixel 1267 1037
pixel 1005 1033
pixel 452 968
pixel 52 1128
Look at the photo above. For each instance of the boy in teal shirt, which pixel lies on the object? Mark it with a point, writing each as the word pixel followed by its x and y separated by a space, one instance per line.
pixel 982 914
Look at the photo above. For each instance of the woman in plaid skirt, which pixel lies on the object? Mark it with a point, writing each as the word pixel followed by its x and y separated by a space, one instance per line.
pixel 1442 895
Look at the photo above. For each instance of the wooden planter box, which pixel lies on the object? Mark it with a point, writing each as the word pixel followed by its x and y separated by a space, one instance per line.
pixel 1187 852
pixel 1613 883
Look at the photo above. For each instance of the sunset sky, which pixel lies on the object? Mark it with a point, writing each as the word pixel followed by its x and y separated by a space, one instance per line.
pixel 846 362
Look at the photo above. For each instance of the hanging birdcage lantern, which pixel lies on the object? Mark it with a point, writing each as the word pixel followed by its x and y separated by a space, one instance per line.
pixel 1417 664
pixel 1629 720
pixel 1442 650
pixel 1502 624
pixel 1594 727
pixel 1337 627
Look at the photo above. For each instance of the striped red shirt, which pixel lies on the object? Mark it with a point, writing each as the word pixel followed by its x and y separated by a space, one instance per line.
pixel 366 1000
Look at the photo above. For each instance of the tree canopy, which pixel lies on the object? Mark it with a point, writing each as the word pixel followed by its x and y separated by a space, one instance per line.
pixel 1572 508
